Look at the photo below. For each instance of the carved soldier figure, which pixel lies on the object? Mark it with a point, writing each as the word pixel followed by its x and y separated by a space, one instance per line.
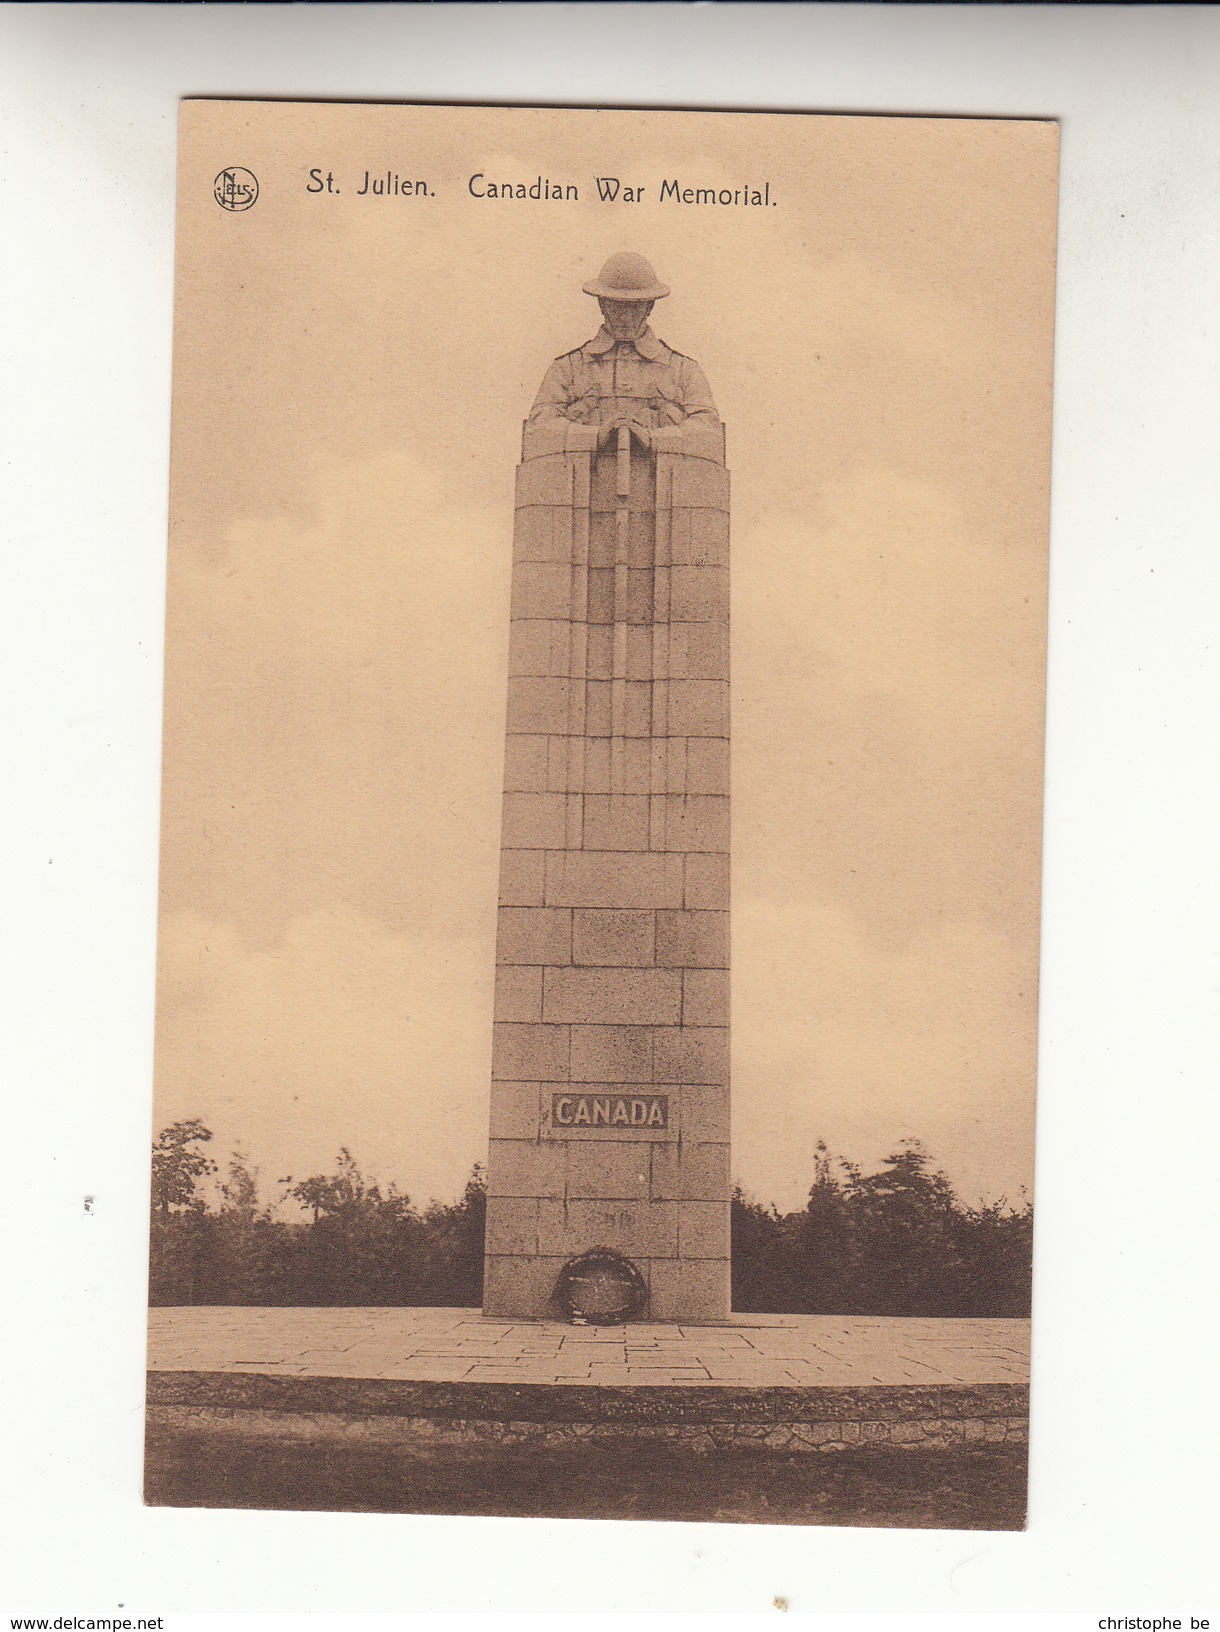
pixel 625 375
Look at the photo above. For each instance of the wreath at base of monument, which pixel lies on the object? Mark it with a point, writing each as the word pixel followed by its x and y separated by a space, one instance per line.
pixel 600 1288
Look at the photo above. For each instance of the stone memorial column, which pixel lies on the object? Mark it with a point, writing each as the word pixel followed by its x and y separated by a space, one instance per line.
pixel 610 1066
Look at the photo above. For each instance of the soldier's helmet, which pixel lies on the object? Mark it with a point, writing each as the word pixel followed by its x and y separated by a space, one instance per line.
pixel 627 277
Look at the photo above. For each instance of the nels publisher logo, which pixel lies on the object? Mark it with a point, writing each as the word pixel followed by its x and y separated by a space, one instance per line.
pixel 235 188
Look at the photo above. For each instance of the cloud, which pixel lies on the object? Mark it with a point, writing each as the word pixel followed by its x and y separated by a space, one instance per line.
pixel 835 1039
pixel 335 705
pixel 342 1033
pixel 887 722
pixel 334 745
pixel 887 726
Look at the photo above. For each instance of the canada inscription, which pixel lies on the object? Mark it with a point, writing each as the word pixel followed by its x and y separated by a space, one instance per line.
pixel 610 1111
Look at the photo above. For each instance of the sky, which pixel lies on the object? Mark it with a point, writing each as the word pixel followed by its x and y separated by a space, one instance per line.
pixel 350 379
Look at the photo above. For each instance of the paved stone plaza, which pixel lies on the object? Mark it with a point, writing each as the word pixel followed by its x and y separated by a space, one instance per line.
pixel 459 1346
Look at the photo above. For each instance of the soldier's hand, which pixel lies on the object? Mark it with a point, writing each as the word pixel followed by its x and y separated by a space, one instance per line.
pixel 608 432
pixel 641 432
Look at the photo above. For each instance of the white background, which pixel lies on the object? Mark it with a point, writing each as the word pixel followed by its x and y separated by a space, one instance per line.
pixel 1124 1443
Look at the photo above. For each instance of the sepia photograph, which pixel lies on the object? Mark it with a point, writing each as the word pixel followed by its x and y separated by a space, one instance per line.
pixel 597 982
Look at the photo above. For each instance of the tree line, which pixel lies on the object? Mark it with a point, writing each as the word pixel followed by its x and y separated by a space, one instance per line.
pixel 895 1242
pixel 357 1243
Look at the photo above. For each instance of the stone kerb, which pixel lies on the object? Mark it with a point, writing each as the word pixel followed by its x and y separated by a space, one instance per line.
pixel 419 1416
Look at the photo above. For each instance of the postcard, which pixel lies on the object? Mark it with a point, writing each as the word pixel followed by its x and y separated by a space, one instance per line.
pixel 602 803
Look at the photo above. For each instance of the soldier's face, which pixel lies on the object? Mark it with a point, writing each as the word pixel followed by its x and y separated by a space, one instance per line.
pixel 626 319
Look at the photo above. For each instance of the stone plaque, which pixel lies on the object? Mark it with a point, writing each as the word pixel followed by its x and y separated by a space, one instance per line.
pixel 610 1111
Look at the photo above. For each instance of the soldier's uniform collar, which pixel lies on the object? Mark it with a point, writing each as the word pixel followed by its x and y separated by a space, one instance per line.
pixel 648 346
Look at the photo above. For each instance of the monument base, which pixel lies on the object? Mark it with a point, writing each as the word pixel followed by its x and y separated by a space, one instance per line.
pixel 440 1410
